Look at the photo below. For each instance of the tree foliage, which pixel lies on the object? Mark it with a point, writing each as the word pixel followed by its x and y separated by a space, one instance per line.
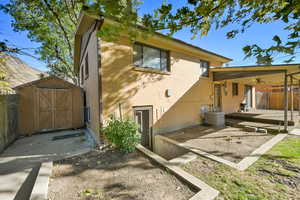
pixel 203 15
pixel 52 23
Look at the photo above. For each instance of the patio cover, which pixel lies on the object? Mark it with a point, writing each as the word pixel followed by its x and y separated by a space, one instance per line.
pixel 269 74
pixel 280 75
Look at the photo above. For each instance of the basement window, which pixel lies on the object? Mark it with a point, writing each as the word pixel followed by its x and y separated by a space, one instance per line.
pixel 235 89
pixel 151 57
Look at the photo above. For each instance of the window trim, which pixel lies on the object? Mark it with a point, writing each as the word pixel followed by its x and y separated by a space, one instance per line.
pixel 157 48
pixel 208 63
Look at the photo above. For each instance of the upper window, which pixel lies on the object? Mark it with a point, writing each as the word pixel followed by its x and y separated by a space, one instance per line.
pixel 86 66
pixel 235 89
pixel 151 57
pixel 204 67
pixel 82 74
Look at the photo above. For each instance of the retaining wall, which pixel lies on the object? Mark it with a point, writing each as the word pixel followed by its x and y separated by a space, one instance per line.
pixel 166 148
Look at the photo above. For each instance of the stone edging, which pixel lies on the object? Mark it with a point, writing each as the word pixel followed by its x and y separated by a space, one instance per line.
pixel 205 191
pixel 243 164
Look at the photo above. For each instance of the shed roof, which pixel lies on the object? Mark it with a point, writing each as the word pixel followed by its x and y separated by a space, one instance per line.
pixel 44 79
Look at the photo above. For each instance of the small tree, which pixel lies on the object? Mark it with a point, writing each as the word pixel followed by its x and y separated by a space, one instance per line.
pixel 122 134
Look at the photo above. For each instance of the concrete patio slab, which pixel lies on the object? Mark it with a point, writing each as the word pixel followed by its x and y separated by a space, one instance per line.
pixel 245 162
pixel 295 131
pixel 28 153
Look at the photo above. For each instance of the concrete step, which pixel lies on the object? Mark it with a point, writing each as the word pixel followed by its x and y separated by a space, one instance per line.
pixel 29 184
pixel 270 128
pixel 248 117
pixel 40 187
pixel 18 185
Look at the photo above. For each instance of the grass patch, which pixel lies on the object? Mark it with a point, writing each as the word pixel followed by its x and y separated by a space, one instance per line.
pixel 274 176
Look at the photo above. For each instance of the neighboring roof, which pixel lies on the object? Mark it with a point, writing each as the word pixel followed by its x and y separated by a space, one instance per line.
pixel 87 19
pixel 272 73
pixel 17 72
pixel 43 79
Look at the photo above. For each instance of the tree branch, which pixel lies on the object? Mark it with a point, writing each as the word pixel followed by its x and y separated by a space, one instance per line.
pixel 60 25
pixel 69 13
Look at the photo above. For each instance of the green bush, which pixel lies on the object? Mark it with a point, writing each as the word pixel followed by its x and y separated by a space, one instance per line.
pixel 122 134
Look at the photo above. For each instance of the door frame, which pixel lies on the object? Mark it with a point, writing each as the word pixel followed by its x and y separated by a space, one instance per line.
pixel 150 109
pixel 251 94
pixel 53 108
pixel 220 96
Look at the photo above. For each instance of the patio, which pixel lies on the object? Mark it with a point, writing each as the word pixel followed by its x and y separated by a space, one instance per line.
pixel 232 144
pixel 271 120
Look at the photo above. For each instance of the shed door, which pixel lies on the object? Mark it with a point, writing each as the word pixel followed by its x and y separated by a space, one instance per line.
pixel 54 109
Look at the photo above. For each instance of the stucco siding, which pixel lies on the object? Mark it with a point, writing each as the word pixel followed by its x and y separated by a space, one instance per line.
pixel 123 87
pixel 232 103
pixel 91 84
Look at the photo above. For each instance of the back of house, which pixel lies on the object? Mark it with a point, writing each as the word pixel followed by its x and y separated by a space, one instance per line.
pixel 162 83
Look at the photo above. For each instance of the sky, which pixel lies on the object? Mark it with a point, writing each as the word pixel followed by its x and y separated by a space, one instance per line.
pixel 216 40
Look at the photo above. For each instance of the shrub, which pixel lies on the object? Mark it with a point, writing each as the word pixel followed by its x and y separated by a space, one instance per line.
pixel 122 134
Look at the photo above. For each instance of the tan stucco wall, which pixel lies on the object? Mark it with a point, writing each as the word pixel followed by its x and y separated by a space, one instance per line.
pixel 121 84
pixel 231 103
pixel 91 84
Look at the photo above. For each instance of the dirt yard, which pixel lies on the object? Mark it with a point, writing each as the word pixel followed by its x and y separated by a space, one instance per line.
pixel 230 143
pixel 110 175
pixel 275 176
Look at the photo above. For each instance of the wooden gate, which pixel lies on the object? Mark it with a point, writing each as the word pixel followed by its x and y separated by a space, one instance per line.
pixel 54 109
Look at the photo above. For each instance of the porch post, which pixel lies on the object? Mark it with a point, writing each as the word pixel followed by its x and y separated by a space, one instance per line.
pixel 292 97
pixel 285 101
pixel 299 97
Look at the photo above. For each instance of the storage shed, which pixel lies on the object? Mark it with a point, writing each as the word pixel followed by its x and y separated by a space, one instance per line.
pixel 49 104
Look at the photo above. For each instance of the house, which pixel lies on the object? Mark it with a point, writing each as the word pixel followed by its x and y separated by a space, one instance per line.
pixel 162 83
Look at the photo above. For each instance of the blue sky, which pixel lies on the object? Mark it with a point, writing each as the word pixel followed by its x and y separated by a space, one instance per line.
pixel 216 41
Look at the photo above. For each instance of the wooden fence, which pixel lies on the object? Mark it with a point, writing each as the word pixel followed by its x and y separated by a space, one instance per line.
pixel 8 119
pixel 275 100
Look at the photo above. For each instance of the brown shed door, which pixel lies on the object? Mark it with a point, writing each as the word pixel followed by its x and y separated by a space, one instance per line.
pixel 55 109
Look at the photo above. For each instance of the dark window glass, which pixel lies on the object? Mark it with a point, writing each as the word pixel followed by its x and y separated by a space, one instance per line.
pixel 235 89
pixel 82 74
pixel 86 66
pixel 204 68
pixel 150 57
pixel 138 55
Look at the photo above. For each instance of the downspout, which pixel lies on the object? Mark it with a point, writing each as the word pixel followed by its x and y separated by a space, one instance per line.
pixel 98 26
pixel 292 97
pixel 285 101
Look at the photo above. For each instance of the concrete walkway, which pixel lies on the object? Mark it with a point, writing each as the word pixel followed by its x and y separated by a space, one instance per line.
pixel 21 161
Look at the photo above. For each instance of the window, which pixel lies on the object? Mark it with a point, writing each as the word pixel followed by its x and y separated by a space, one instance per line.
pixel 235 89
pixel 150 57
pixel 87 114
pixel 86 66
pixel 82 75
pixel 204 67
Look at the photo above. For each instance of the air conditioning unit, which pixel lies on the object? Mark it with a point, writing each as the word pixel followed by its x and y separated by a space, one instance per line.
pixel 216 119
